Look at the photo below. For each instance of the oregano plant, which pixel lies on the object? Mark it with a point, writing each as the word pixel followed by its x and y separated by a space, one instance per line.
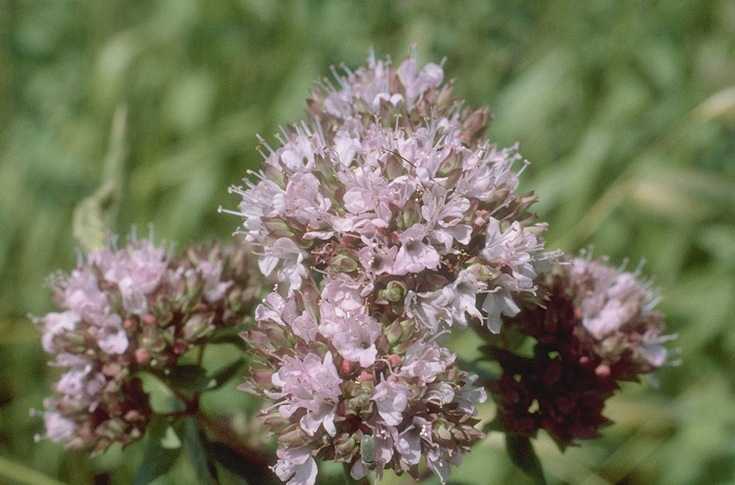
pixel 377 227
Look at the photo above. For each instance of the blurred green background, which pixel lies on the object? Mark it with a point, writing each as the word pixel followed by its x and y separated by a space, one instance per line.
pixel 626 110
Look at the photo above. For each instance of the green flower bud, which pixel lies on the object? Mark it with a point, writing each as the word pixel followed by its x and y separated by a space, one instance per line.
pixel 443 430
pixel 277 227
pixel 394 332
pixel 474 125
pixel 342 263
pixel 408 327
pixel 345 446
pixel 407 218
pixel 444 99
pixel 367 449
pixel 394 291
pixel 449 166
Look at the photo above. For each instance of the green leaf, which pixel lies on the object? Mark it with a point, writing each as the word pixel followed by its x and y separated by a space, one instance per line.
pixel 194 442
pixel 522 454
pixel 161 451
pixel 188 377
pixel 194 378
pixel 226 373
pixel 228 335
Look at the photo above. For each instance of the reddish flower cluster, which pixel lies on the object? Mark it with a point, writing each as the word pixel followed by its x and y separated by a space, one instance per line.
pixel 597 328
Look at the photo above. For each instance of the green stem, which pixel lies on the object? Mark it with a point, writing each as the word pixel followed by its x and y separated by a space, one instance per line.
pixel 200 355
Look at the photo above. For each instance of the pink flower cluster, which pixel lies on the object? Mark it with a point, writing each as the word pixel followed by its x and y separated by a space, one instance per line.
pixel 392 182
pixel 351 389
pixel 386 219
pixel 123 310
pixel 618 313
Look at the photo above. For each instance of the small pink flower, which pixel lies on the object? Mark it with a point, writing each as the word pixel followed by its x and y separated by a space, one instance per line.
pixel 391 396
pixel 296 466
pixel 415 255
pixel 286 254
pixel 311 384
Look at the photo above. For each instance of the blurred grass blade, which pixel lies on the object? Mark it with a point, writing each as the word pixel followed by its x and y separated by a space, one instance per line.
pixel 94 217
pixel 21 474
pixel 719 105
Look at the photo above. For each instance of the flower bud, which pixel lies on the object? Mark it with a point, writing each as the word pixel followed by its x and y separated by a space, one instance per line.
pixel 407 218
pixel 197 326
pixel 394 291
pixel 342 263
pixel 345 446
pixel 292 438
pixel 346 367
pixel 367 449
pixel 148 319
pixel 278 228
pixel 474 125
pixel 394 332
pixel 142 356
pixel 445 96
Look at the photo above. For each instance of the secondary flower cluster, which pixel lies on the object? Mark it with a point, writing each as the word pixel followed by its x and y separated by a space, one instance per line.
pixel 350 388
pixel 412 222
pixel 597 327
pixel 125 310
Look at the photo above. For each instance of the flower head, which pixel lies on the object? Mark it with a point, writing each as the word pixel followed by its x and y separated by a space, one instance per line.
pixel 354 390
pixel 386 219
pixel 127 309
pixel 390 180
pixel 598 326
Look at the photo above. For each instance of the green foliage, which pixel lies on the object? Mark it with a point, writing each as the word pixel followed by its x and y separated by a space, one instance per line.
pixel 198 457
pixel 162 449
pixel 625 109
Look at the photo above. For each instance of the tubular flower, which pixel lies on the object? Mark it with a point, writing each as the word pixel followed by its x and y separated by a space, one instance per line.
pixel 350 388
pixel 125 310
pixel 391 182
pixel 598 327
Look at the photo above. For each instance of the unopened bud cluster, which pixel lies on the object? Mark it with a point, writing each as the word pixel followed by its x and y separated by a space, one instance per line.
pixel 597 327
pixel 131 309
